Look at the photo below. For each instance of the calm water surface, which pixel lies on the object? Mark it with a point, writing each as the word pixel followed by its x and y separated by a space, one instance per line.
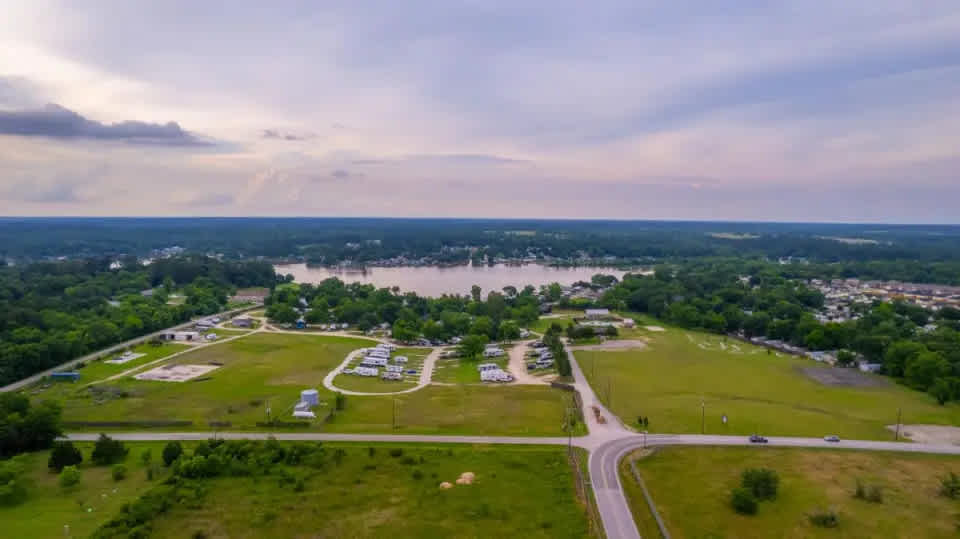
pixel 435 281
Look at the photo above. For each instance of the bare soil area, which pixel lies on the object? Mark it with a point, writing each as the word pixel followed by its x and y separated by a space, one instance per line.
pixel 626 344
pixel 833 376
pixel 930 434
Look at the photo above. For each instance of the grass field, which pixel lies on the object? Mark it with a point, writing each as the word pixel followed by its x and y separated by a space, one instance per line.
pixel 759 392
pixel 809 480
pixel 272 369
pixel 352 382
pixel 518 492
pixel 455 371
pixel 49 507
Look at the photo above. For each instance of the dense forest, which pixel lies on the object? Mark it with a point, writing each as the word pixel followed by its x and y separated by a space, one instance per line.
pixel 918 346
pixel 498 316
pixel 51 312
pixel 914 253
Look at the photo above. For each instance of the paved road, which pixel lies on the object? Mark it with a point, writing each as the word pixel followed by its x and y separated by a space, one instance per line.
pixel 115 348
pixel 318 436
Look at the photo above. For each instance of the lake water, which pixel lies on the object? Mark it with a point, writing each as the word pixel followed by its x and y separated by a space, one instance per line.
pixel 435 281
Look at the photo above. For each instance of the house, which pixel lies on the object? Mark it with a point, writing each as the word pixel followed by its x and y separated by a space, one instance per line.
pixel 180 336
pixel 595 314
pixel 242 322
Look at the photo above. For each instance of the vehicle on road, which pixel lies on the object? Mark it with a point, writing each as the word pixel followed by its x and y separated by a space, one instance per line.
pixel 831 438
pixel 757 439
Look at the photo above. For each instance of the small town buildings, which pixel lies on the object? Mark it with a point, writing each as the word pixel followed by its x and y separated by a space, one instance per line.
pixel 595 314
pixel 180 336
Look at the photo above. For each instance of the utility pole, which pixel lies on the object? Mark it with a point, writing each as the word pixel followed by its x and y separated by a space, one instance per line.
pixel 703 416
pixel 896 436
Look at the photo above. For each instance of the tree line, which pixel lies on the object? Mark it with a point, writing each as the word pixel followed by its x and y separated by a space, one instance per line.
pixel 52 312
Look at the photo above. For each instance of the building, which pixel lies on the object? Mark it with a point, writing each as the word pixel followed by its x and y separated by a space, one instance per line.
pixel 310 397
pixel 72 376
pixel 629 323
pixel 180 336
pixel 242 322
pixel 595 314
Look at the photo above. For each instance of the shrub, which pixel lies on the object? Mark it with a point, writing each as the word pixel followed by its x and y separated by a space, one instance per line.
pixel 12 488
pixel 119 472
pixel 172 452
pixel 396 452
pixel 870 493
pixel 409 461
pixel 825 518
pixel 64 454
pixel 371 451
pixel 743 502
pixel 418 475
pixel 146 457
pixel 340 401
pixel 69 476
pixel 761 482
pixel 107 451
pixel 299 485
pixel 950 486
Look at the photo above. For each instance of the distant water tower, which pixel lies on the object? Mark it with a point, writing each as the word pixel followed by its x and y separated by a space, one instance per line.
pixel 310 396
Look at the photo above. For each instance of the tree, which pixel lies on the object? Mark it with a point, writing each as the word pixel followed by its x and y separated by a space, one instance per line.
pixel 475 292
pixel 404 331
pixel 761 482
pixel 64 454
pixel 472 345
pixel 171 452
pixel 509 330
pixel 845 358
pixel 923 369
pixel 107 451
pixel 340 401
pixel 69 476
pixel 12 488
pixel 119 472
pixel 743 501
pixel 483 325
pixel 950 486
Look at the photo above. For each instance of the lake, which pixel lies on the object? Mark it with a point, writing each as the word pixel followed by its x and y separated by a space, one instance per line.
pixel 435 281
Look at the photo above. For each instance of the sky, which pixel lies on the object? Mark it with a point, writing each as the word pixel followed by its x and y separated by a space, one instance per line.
pixel 752 110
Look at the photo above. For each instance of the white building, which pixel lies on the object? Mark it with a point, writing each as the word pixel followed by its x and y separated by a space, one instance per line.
pixel 371 361
pixel 597 313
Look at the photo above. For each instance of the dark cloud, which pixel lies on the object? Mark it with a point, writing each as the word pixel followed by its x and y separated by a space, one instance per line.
pixel 281 135
pixel 342 174
pixel 58 122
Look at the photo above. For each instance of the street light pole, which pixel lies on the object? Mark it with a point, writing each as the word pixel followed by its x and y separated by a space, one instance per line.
pixel 703 416
pixel 896 436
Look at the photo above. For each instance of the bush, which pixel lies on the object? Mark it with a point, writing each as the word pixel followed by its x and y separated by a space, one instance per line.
pixel 418 475
pixel 409 461
pixel 396 452
pixel 743 502
pixel 172 452
pixel 64 454
pixel 870 493
pixel 119 472
pixel 12 488
pixel 340 401
pixel 69 476
pixel 761 482
pixel 950 486
pixel 371 451
pixel 826 518
pixel 146 457
pixel 107 451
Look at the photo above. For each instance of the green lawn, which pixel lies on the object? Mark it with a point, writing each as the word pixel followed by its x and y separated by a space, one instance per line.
pixel 457 371
pixel 272 369
pixel 256 370
pixel 83 507
pixel 759 392
pixel 518 492
pixel 691 488
pixel 99 369
pixel 353 382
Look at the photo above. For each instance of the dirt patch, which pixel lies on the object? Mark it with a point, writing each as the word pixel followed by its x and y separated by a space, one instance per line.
pixel 833 376
pixel 175 373
pixel 654 328
pixel 930 434
pixel 625 344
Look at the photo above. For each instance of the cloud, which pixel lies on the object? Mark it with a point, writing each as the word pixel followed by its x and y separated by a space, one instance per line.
pixel 343 174
pixel 283 135
pixel 204 199
pixel 58 122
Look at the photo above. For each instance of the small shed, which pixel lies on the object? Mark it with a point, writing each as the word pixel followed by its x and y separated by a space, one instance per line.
pixel 72 376
pixel 310 396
